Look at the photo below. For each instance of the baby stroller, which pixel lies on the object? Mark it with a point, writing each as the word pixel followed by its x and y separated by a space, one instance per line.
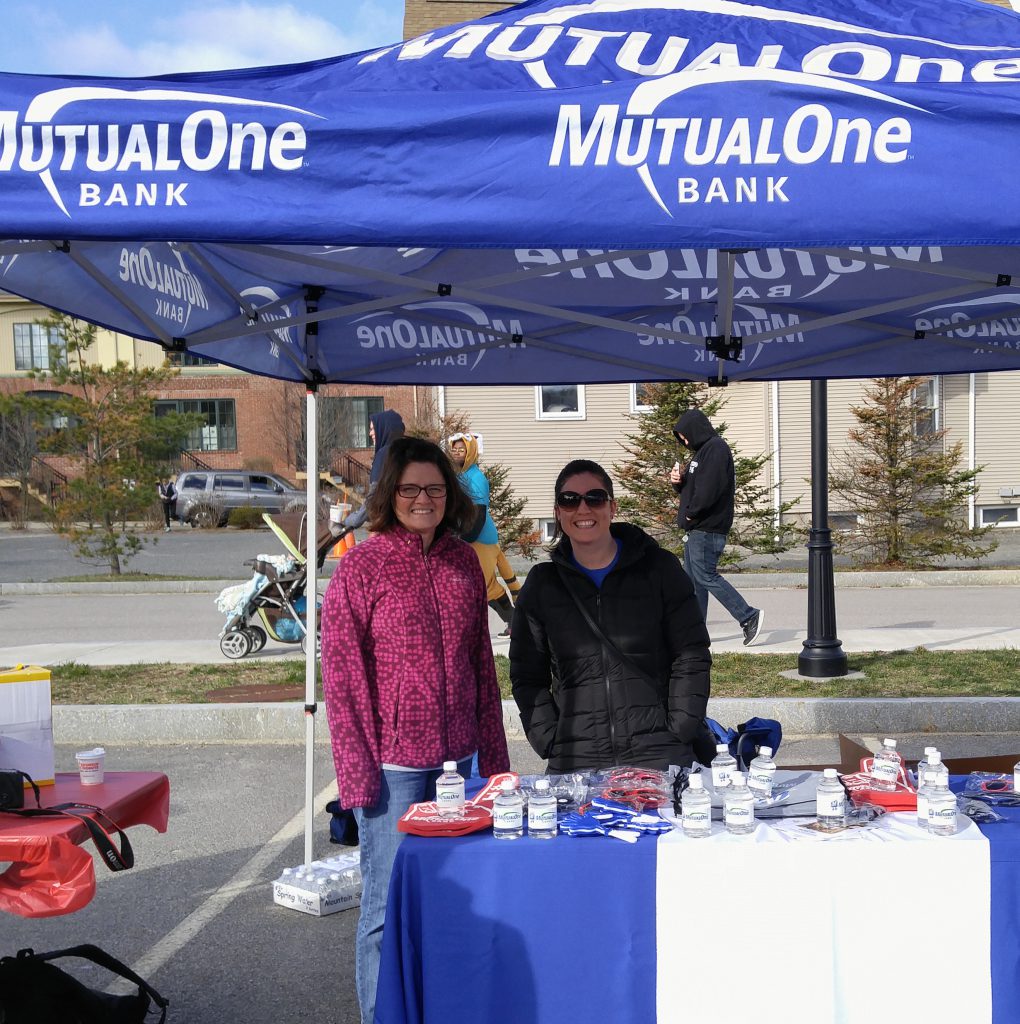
pixel 273 602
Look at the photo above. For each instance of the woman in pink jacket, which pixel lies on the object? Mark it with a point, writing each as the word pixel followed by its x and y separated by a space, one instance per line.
pixel 407 668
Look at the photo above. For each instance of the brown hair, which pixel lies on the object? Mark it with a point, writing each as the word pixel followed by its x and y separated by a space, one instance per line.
pixel 459 513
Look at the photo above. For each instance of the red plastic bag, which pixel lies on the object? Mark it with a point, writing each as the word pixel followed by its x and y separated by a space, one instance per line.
pixel 860 783
pixel 48 876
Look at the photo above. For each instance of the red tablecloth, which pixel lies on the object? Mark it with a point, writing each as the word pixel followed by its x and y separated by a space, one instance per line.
pixel 49 873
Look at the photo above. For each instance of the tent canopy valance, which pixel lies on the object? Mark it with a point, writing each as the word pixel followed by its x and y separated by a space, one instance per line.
pixel 592 191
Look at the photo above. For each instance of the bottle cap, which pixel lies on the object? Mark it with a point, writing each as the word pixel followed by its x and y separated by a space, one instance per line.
pixel 696 782
pixel 721 748
pixel 449 766
pixel 765 751
pixel 830 773
pixel 507 786
pixel 889 743
pixel 542 784
pixel 935 757
pixel 928 750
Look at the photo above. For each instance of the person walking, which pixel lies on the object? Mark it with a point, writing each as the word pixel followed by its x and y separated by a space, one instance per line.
pixel 167 499
pixel 609 657
pixel 482 534
pixel 383 428
pixel 407 670
pixel 706 484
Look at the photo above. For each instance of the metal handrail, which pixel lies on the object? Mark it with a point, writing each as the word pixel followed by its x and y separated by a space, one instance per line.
pixel 353 472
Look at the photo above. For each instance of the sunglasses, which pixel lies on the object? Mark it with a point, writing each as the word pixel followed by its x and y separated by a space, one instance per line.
pixel 595 498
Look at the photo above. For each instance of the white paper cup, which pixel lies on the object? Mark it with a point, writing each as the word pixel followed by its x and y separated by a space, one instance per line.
pixel 91 765
pixel 338 512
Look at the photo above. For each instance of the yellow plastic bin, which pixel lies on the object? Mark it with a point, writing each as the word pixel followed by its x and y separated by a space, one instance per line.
pixel 26 722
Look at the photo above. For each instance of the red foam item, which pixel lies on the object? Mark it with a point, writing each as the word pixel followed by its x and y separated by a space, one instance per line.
pixel 860 783
pixel 424 819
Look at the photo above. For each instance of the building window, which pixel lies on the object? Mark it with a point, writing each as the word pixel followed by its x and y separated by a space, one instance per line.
pixel 37 347
pixel 189 359
pixel 1005 515
pixel 344 422
pixel 926 407
pixel 547 528
pixel 217 433
pixel 639 398
pixel 559 402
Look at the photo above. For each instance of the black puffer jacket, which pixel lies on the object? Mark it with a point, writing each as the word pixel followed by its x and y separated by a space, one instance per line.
pixel 581 706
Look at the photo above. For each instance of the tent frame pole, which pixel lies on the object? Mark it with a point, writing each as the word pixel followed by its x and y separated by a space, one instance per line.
pixel 822 656
pixel 311 611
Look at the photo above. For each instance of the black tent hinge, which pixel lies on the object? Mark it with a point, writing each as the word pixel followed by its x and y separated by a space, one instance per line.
pixel 725 346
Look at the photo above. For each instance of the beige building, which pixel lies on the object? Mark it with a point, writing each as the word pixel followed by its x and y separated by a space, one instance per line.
pixel 536 430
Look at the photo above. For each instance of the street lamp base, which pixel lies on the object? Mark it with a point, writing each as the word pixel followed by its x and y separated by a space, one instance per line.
pixel 822 662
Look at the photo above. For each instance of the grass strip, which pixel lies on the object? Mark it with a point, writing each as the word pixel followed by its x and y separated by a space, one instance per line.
pixel 916 673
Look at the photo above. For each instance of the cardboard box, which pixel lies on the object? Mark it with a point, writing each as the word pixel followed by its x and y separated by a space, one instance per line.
pixel 26 722
pixel 345 897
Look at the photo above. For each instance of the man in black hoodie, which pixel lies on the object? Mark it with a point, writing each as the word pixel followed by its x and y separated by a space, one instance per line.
pixel 707 485
pixel 383 427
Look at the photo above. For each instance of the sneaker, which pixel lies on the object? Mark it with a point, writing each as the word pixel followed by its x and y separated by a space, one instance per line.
pixel 506 632
pixel 166 529
pixel 752 627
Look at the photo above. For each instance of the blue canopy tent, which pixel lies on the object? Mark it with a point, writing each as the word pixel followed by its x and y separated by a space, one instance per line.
pixel 590 191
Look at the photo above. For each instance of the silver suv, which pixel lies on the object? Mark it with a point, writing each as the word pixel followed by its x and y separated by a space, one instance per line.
pixel 206 496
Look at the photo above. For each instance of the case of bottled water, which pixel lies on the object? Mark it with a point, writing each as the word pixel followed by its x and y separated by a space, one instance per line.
pixel 322 887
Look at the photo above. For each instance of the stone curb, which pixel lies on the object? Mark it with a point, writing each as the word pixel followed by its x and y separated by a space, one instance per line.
pixel 285 722
pixel 745 580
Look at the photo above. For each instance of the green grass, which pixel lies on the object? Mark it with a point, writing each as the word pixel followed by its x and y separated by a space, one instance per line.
pixel 917 673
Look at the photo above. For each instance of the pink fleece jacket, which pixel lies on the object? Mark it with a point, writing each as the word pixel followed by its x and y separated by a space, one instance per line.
pixel 407 665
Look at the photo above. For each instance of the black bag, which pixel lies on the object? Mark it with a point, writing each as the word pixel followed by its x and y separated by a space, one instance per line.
pixel 12 789
pixel 343 826
pixel 35 991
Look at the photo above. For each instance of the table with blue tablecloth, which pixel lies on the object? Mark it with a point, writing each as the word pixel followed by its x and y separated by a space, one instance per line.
pixel 484 930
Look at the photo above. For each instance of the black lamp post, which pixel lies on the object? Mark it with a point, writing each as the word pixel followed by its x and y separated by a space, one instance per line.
pixel 822 656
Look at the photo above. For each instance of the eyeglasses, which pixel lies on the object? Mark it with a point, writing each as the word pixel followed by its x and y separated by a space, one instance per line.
pixel 413 490
pixel 595 498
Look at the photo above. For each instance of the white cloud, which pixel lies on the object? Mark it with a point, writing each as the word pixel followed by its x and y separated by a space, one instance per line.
pixel 225 36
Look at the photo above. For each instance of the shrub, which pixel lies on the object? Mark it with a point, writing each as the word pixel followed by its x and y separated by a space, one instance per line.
pixel 245 518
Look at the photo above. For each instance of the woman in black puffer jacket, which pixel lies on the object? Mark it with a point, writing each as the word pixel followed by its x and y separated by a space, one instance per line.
pixel 583 704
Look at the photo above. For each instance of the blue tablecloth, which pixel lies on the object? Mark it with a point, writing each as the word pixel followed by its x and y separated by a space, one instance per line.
pixel 529 932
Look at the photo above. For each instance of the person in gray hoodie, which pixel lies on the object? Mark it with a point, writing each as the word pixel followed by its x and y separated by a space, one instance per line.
pixel 383 427
pixel 706 484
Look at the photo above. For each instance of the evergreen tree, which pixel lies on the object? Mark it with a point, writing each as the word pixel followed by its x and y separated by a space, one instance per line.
pixel 19 444
pixel 904 483
pixel 112 435
pixel 647 497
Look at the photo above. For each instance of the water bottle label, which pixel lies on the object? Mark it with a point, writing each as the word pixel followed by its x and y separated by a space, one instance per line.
pixel 922 808
pixel 452 797
pixel 1016 780
pixel 721 777
pixel 885 771
pixel 507 818
pixel 830 805
pixel 761 781
pixel 697 821
pixel 738 814
pixel 543 819
pixel 941 815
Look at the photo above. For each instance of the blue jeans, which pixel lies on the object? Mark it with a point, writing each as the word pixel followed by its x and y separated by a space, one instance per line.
pixel 701 559
pixel 379 839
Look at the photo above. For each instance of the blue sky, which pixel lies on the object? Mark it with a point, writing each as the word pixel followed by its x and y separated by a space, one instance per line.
pixel 146 37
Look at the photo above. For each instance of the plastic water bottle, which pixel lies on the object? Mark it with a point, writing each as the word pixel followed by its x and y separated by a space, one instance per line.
pixel 885 769
pixel 941 807
pixel 936 765
pixel 830 802
pixel 696 809
pixel 1016 777
pixel 922 765
pixel 761 773
pixel 724 764
pixel 923 792
pixel 738 807
pixel 450 792
pixel 542 812
pixel 508 812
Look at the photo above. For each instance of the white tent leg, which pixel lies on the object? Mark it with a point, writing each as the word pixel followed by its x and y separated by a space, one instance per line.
pixel 311 612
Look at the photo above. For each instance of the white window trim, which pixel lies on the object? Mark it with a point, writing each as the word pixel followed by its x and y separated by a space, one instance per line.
pixel 540 414
pixel 634 407
pixel 547 527
pixel 1009 525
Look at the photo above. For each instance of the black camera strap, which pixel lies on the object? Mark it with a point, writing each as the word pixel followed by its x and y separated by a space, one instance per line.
pixel 102 829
